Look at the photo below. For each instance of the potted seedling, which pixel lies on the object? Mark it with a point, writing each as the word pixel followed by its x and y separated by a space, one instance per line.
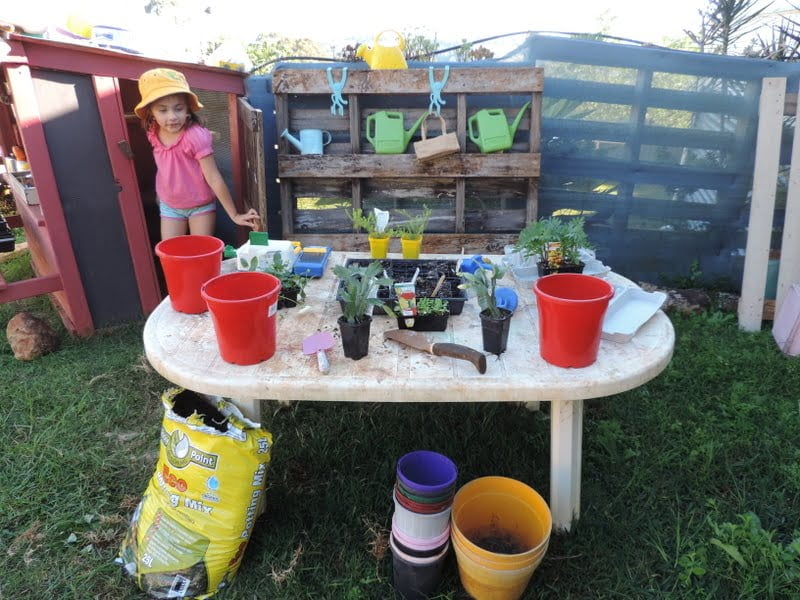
pixel 293 287
pixel 555 244
pixel 357 295
pixel 495 321
pixel 378 232
pixel 411 231
pixel 432 315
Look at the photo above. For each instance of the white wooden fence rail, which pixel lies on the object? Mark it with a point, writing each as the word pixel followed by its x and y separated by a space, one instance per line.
pixel 762 209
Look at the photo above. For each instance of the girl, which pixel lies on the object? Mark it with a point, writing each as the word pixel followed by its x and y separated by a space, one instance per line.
pixel 187 180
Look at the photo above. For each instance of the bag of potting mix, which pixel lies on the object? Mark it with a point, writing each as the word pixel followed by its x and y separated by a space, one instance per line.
pixel 188 534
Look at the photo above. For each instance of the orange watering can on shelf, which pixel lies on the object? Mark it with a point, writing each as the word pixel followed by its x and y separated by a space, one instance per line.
pixel 379 56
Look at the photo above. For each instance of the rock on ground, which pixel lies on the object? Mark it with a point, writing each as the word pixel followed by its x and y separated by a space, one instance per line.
pixel 30 336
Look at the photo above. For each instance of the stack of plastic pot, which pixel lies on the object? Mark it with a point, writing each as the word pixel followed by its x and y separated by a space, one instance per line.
pixel 423 496
pixel 500 532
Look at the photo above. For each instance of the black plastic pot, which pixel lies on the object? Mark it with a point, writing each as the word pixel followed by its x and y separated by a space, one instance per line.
pixel 544 269
pixel 355 338
pixel 425 322
pixel 416 581
pixel 288 297
pixel 495 331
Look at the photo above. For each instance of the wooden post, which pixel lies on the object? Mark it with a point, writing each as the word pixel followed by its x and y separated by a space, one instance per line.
pixel 762 204
pixel 789 271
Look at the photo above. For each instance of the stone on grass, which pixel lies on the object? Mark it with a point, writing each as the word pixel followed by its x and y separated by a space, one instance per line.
pixel 30 336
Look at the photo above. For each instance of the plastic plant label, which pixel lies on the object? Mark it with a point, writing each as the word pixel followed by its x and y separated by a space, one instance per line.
pixel 381 219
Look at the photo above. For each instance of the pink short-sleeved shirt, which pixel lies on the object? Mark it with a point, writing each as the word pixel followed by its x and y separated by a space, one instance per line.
pixel 179 180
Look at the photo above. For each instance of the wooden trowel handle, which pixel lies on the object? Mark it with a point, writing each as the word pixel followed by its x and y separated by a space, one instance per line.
pixel 463 352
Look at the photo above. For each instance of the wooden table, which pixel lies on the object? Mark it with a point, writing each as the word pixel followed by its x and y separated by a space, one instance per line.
pixel 183 348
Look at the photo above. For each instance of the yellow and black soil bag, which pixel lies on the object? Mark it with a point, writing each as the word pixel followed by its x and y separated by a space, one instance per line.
pixel 188 534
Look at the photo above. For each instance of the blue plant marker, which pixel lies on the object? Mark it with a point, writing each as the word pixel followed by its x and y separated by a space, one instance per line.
pixel 336 87
pixel 436 90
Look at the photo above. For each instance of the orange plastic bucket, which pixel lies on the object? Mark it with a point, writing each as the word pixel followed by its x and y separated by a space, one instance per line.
pixel 188 262
pixel 243 306
pixel 500 532
pixel 571 307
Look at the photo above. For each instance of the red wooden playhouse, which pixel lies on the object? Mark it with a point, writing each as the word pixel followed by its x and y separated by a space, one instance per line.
pixel 91 236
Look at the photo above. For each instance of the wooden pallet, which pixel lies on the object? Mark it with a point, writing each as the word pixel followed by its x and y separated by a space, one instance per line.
pixel 350 170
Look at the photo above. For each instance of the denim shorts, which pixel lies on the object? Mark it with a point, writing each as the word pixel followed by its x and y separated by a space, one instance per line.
pixel 183 214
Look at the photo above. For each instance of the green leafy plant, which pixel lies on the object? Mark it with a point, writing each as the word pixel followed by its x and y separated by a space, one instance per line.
pixel 484 283
pixel 748 558
pixel 283 271
pixel 368 222
pixel 414 227
pixel 535 240
pixel 358 290
pixel 432 306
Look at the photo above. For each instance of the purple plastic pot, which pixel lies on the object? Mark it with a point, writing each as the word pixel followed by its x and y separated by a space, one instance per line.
pixel 426 473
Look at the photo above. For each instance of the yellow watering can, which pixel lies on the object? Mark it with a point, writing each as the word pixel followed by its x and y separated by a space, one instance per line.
pixel 384 57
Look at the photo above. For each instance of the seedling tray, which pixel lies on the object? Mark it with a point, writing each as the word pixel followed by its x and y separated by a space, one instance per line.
pixel 402 270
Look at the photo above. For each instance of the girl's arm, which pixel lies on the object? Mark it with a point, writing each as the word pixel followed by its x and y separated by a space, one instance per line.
pixel 215 181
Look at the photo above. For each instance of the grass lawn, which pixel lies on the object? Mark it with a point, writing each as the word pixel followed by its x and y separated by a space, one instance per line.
pixel 691 483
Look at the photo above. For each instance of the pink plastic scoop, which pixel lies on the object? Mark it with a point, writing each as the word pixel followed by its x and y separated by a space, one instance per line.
pixel 318 343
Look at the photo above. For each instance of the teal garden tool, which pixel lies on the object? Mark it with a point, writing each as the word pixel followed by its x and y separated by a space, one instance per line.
pixel 490 131
pixel 386 134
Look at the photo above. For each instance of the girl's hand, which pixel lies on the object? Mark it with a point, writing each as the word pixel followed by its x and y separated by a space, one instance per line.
pixel 249 219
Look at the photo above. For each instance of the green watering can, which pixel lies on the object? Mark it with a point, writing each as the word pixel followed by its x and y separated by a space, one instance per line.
pixel 386 134
pixel 490 131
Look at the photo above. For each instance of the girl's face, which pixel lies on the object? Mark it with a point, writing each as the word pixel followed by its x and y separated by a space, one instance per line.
pixel 171 112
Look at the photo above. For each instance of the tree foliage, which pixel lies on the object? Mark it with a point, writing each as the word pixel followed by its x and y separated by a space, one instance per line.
pixel 419 46
pixel 268 47
pixel 723 23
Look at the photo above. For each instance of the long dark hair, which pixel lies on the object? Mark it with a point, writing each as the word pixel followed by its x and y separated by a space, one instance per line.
pixel 147 121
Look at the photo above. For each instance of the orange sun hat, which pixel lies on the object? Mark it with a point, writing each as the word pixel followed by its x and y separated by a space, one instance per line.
pixel 157 83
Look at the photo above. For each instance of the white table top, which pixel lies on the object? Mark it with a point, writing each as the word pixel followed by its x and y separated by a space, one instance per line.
pixel 183 348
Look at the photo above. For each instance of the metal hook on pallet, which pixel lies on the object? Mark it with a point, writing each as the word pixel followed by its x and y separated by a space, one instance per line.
pixel 436 90
pixel 336 97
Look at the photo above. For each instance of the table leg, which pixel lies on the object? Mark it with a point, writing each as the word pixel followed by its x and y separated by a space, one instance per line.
pixel 566 432
pixel 250 408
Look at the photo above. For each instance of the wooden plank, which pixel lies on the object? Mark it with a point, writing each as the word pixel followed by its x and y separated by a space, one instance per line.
pixel 434 243
pixel 790 105
pixel 255 188
pixel 354 111
pixel 411 81
pixel 287 208
pixel 789 270
pixel 79 58
pixel 281 121
pixel 443 220
pixel 461 194
pixel 109 103
pixel 762 206
pixel 35 286
pixel 769 310
pixel 670 99
pixel 461 120
pixel 406 165
pixel 532 205
pixel 75 308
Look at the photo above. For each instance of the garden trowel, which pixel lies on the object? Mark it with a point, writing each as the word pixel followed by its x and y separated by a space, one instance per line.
pixel 422 342
pixel 317 344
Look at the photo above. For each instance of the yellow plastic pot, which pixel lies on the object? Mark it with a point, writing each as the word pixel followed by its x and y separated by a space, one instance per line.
pixel 504 509
pixel 378 247
pixel 411 248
